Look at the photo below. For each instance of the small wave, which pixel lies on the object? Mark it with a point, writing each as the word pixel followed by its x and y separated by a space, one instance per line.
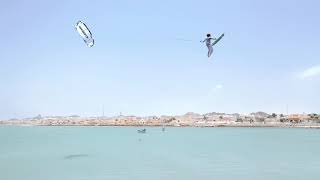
pixel 73 156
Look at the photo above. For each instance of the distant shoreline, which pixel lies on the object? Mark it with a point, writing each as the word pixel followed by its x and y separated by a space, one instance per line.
pixel 190 119
pixel 184 126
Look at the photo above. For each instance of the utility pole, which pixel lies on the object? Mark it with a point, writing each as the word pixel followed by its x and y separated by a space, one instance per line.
pixel 102 111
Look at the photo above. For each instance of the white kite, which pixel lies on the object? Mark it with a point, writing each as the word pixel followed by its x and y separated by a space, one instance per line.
pixel 85 33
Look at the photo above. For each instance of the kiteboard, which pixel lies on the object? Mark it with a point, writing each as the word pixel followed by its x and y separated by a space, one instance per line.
pixel 219 38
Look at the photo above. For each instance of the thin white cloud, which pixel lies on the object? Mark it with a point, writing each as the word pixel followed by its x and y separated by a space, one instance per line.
pixel 219 86
pixel 216 88
pixel 310 72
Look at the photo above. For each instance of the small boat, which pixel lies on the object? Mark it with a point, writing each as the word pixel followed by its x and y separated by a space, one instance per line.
pixel 142 131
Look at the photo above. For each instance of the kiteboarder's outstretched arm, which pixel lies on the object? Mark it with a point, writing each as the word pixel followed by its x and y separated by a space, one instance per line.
pixel 207 39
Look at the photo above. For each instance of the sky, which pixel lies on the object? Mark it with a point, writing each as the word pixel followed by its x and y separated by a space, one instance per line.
pixel 267 61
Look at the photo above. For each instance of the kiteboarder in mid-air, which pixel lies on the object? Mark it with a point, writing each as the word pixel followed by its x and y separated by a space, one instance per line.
pixel 210 42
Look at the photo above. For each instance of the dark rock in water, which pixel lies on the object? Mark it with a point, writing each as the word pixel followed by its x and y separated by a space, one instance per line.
pixel 73 156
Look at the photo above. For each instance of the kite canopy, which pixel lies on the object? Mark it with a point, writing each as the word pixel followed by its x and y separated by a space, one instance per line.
pixel 85 33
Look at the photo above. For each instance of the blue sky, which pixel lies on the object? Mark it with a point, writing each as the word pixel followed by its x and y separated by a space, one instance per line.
pixel 268 58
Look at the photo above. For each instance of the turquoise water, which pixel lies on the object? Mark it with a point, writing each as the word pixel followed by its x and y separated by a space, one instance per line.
pixel 120 153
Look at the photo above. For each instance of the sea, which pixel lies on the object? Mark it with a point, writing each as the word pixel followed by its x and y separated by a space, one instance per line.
pixel 121 153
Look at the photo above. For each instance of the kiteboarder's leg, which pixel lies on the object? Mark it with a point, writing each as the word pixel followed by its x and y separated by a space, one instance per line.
pixel 208 46
pixel 210 50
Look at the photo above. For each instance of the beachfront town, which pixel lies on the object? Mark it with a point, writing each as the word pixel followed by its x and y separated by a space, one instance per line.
pixel 214 119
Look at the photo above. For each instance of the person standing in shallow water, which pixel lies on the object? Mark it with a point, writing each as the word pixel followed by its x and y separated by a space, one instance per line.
pixel 209 42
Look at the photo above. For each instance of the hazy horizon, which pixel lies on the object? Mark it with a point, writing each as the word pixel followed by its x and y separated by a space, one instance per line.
pixel 145 115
